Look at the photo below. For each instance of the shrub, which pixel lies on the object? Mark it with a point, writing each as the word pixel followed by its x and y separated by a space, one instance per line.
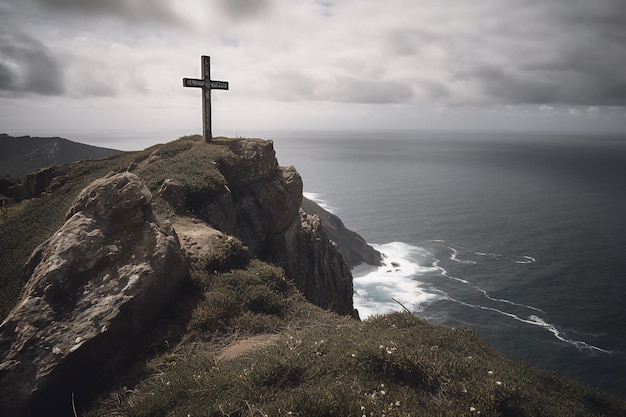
pixel 228 254
pixel 257 323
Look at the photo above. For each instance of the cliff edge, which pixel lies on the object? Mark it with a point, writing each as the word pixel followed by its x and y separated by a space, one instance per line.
pixel 117 262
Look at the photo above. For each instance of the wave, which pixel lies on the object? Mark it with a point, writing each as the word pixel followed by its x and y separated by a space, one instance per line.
pixel 403 282
pixel 535 321
pixel 457 249
pixel 376 288
pixel 445 274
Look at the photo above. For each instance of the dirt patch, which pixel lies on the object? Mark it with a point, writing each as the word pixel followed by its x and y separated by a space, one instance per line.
pixel 243 346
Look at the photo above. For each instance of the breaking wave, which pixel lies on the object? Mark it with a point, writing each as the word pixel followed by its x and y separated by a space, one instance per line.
pixel 413 277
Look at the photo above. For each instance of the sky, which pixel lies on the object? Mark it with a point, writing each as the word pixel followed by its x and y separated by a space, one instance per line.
pixel 536 65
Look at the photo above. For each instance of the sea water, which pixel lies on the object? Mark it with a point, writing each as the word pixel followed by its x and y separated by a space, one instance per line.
pixel 519 236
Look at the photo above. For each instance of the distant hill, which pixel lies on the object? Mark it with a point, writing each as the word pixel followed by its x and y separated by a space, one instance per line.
pixel 22 155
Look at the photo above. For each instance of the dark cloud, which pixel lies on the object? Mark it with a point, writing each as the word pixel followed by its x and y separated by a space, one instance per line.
pixel 242 9
pixel 158 11
pixel 27 66
pixel 298 86
pixel 571 53
pixel 605 16
pixel 351 90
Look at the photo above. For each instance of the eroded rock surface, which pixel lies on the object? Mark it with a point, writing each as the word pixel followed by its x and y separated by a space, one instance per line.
pixel 354 248
pixel 315 264
pixel 92 291
pixel 267 199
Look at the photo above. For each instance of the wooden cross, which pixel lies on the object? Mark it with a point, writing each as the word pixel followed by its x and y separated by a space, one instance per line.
pixel 207 85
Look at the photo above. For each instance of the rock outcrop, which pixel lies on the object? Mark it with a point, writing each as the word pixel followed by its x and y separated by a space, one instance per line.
pixel 353 247
pixel 260 204
pixel 94 289
pixel 316 265
pixel 42 179
pixel 97 286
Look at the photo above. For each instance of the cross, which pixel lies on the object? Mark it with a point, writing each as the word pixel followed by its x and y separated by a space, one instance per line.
pixel 207 85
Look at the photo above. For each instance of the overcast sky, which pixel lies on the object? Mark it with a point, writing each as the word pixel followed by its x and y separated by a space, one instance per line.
pixel 540 65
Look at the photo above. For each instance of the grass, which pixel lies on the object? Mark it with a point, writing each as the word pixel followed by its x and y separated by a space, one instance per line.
pixel 312 363
pixel 324 365
pixel 321 364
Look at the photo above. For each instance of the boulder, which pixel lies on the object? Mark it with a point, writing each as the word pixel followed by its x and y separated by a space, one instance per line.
pixel 93 290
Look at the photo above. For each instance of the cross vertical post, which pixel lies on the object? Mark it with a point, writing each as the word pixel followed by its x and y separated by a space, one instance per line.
pixel 206 101
pixel 207 85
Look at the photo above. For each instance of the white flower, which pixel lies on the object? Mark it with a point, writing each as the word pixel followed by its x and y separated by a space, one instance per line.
pixel 490 372
pixel 472 409
pixel 498 383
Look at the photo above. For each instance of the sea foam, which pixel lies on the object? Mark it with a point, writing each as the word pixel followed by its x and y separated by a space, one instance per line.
pixel 388 288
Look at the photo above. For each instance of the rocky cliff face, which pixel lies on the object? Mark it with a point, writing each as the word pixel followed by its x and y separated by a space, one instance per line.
pixel 260 204
pixel 353 247
pixel 95 288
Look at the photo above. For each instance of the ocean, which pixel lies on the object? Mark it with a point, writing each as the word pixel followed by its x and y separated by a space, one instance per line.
pixel 518 236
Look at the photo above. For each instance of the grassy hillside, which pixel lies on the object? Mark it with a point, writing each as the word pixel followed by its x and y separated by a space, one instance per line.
pixel 242 341
pixel 254 347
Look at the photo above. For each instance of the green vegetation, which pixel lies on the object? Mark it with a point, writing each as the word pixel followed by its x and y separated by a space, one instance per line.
pixel 244 342
pixel 320 364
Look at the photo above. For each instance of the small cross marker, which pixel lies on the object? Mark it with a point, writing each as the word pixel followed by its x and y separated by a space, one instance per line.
pixel 207 85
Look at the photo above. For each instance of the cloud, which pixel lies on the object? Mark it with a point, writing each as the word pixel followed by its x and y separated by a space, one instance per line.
pixel 517 55
pixel 244 9
pixel 569 53
pixel 353 90
pixel 26 65
pixel 297 86
pixel 159 11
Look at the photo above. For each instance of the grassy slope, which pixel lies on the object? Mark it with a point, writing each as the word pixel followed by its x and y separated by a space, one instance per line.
pixel 316 363
pixel 321 364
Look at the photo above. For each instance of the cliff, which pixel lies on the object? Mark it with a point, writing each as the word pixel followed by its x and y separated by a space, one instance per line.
pixel 259 202
pixel 117 260
pixel 192 279
pixel 354 248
